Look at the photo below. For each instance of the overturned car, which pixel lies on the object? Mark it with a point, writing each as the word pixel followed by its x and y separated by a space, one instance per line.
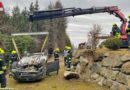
pixel 33 67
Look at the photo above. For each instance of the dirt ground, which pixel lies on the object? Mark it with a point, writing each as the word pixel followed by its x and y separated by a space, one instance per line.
pixel 53 82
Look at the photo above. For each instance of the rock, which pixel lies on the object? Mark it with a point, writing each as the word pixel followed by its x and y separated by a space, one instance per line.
pixel 86 76
pixel 108 83
pixel 110 74
pixel 83 61
pixel 96 68
pixel 126 68
pixel 122 78
pixel 70 75
pixel 113 61
pixel 75 61
pixel 78 69
pixel 97 78
pixel 114 86
pixel 73 68
pixel 77 55
pixel 118 86
pixel 94 76
pixel 125 58
pixel 106 55
pixel 98 57
pixel 123 87
pixel 116 69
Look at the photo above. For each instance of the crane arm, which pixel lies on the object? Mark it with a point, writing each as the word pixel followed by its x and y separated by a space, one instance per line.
pixel 66 12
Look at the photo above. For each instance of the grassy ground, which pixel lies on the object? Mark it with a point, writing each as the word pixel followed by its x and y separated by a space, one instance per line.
pixel 111 52
pixel 54 82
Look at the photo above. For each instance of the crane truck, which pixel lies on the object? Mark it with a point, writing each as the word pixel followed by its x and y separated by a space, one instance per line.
pixel 66 12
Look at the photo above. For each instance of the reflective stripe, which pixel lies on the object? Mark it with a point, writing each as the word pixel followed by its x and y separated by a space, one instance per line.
pixel 1 72
pixel 70 58
pixel 56 58
pixel 129 46
pixel 10 72
pixel 0 59
pixel 4 67
pixel 10 61
pixel 70 61
pixel 128 28
pixel 68 68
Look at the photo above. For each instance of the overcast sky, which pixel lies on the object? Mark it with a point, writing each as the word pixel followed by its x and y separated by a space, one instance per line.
pixel 80 25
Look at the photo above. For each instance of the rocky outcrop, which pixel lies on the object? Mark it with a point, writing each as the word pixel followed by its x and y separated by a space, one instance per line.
pixel 112 72
pixel 70 75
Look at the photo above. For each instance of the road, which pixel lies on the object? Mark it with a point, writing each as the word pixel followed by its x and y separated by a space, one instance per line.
pixel 53 82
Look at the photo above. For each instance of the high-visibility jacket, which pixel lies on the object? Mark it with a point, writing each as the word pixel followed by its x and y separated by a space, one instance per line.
pixel 69 56
pixel 118 35
pixel 12 58
pixel 56 55
pixel 2 65
pixel 128 29
pixel 115 30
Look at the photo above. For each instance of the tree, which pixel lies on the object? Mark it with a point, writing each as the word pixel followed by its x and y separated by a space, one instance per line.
pixel 93 35
pixel 36 6
pixel 31 8
pixel 16 11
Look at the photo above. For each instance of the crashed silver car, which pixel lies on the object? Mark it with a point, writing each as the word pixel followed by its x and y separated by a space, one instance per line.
pixel 30 68
pixel 33 67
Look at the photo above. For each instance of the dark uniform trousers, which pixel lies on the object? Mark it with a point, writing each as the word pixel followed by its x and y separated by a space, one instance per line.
pixel 69 60
pixel 2 72
pixel 3 81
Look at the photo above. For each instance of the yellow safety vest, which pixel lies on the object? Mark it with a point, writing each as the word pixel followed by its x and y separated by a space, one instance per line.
pixel 4 67
pixel 1 72
pixel 118 35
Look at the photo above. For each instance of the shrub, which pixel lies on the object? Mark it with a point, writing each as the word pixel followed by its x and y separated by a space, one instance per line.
pixel 113 43
pixel 23 42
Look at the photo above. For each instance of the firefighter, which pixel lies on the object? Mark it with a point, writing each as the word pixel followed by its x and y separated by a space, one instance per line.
pixel 56 54
pixel 128 32
pixel 65 55
pixel 13 58
pixel 69 58
pixel 115 29
pixel 2 69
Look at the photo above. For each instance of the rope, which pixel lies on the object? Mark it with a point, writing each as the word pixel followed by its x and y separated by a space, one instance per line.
pixel 43 46
pixel 15 46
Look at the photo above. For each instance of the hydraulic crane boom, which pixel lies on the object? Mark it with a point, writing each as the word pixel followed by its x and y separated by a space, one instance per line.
pixel 65 12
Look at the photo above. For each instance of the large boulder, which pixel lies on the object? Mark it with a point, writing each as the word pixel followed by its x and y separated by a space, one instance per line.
pixel 123 87
pixel 125 58
pixel 97 78
pixel 70 75
pixel 75 61
pixel 119 86
pixel 96 68
pixel 122 78
pixel 110 74
pixel 108 83
pixel 83 61
pixel 98 57
pixel 126 68
pixel 113 61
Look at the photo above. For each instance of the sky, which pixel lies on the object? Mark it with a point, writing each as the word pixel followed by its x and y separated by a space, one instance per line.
pixel 79 26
